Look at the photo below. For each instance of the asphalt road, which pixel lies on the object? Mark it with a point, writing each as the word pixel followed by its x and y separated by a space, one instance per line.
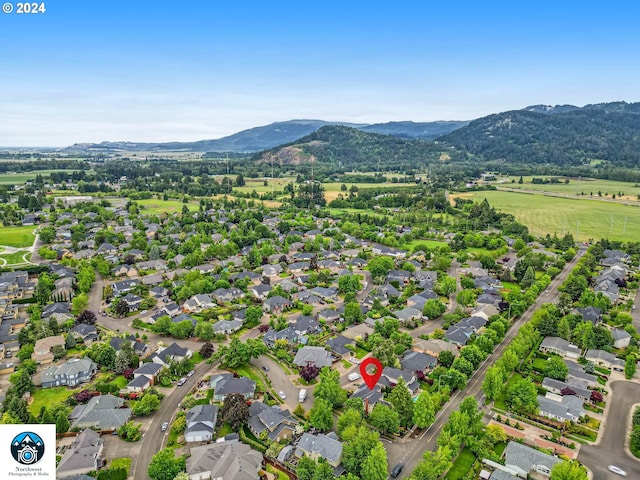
pixel 281 382
pixel 411 453
pixel 610 450
pixel 153 438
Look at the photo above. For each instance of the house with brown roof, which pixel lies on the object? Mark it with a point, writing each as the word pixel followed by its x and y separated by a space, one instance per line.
pixel 43 349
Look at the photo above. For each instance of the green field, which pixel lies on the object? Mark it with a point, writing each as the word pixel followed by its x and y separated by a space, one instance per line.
pixel 157 206
pixel 49 396
pixel 16 236
pixel 15 258
pixel 576 186
pixel 584 219
pixel 20 178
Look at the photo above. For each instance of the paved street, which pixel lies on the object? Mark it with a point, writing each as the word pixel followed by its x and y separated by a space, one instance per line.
pixel 611 449
pixel 280 381
pixel 411 453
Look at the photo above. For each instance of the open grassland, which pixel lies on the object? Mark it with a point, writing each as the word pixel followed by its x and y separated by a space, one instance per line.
pixel 157 206
pixel 16 236
pixel 15 258
pixel 577 186
pixel 20 178
pixel 584 219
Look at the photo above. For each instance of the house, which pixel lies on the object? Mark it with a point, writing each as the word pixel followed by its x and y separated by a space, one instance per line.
pixel 70 374
pixel 277 422
pixel 104 412
pixel 526 460
pixel 149 370
pixel 139 348
pixel 139 384
pixel 43 349
pixel 124 270
pixel 305 325
pixel 261 291
pixel 328 315
pixel 198 303
pixel 320 446
pixel 276 304
pixel 338 346
pixel 618 255
pixel 86 333
pixel 408 314
pixel 82 456
pixel 123 287
pixel 434 347
pixel 590 314
pixel 172 352
pixel 330 293
pixel 225 384
pixel 578 387
pixel 462 331
pixel 369 396
pixel 224 461
pixel 62 308
pixel 604 359
pixel 561 408
pixel 413 361
pixel 400 276
pixel 201 422
pixel 227 327
pixel 317 356
pixel 158 291
pixel 272 270
pixel 223 295
pixel 621 338
pixel 559 346
pixel 133 301
pixel 153 279
pixel 391 376
pixel 577 373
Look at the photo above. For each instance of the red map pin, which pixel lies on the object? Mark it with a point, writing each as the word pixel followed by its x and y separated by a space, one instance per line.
pixel 371 378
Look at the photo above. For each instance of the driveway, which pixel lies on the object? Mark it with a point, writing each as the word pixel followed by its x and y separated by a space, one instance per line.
pixel 281 382
pixel 611 449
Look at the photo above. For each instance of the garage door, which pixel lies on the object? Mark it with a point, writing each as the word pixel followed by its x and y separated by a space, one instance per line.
pixel 198 438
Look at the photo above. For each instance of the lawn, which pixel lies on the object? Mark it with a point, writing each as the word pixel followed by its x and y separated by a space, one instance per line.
pixel 462 465
pixel 224 430
pixel 49 396
pixel 157 206
pixel 578 186
pixel 120 381
pixel 18 237
pixel 250 372
pixel 583 218
pixel 15 258
pixel 360 352
pixel 539 364
pixel 20 178
pixel 280 475
pixel 124 462
pixel 510 286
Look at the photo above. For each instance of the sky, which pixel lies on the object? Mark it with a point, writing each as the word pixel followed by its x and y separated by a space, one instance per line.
pixel 124 70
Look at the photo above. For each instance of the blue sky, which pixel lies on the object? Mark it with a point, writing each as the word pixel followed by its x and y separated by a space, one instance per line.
pixel 94 70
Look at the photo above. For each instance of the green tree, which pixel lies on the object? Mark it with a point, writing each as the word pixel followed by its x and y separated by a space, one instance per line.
pixel 494 381
pixel 329 388
pixel 556 368
pixel 446 358
pixel 253 315
pixel 400 398
pixel 384 419
pixel 148 404
pixel 349 283
pixel 446 285
pixel 375 465
pixel 522 396
pixel 358 442
pixel 62 423
pixel 79 303
pixel 350 417
pixel 433 308
pixel 234 411
pixel 352 313
pixel 321 415
pixel 568 471
pixel 528 278
pixel 165 466
pixel 424 410
pixel 630 365
pixel 379 266
pixel 204 331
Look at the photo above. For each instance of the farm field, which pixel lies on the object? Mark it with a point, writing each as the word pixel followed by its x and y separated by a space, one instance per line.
pixel 577 186
pixel 584 219
pixel 20 178
pixel 16 236
pixel 158 206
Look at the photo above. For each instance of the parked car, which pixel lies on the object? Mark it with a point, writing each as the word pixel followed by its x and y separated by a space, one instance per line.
pixel 265 368
pixel 190 374
pixel 143 312
pixel 354 360
pixel 164 427
pixel 182 381
pixel 8 354
pixel 617 470
pixel 282 395
pixel 397 469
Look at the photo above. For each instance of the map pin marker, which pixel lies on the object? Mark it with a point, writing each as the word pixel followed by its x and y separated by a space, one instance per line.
pixel 371 378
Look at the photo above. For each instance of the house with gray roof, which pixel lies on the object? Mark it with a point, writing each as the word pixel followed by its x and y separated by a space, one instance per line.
pixel 561 408
pixel 225 384
pixel 329 315
pixel 201 423
pixel 320 446
pixel 590 314
pixel 339 344
pixel 559 346
pixel 621 338
pixel 227 326
pixel 556 386
pixel 226 460
pixel 83 456
pixel 317 356
pixel 72 373
pixel 276 304
pixel 413 361
pixel 172 352
pixel 104 412
pixel 407 314
pixel 605 359
pixel 526 460
pixel 277 422
pixel 85 333
pixel 576 372
pixel 271 336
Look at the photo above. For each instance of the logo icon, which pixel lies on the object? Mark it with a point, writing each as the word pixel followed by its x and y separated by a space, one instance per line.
pixel 27 448
pixel 371 378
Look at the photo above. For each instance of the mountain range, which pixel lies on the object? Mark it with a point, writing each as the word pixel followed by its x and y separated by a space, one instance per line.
pixel 278 133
